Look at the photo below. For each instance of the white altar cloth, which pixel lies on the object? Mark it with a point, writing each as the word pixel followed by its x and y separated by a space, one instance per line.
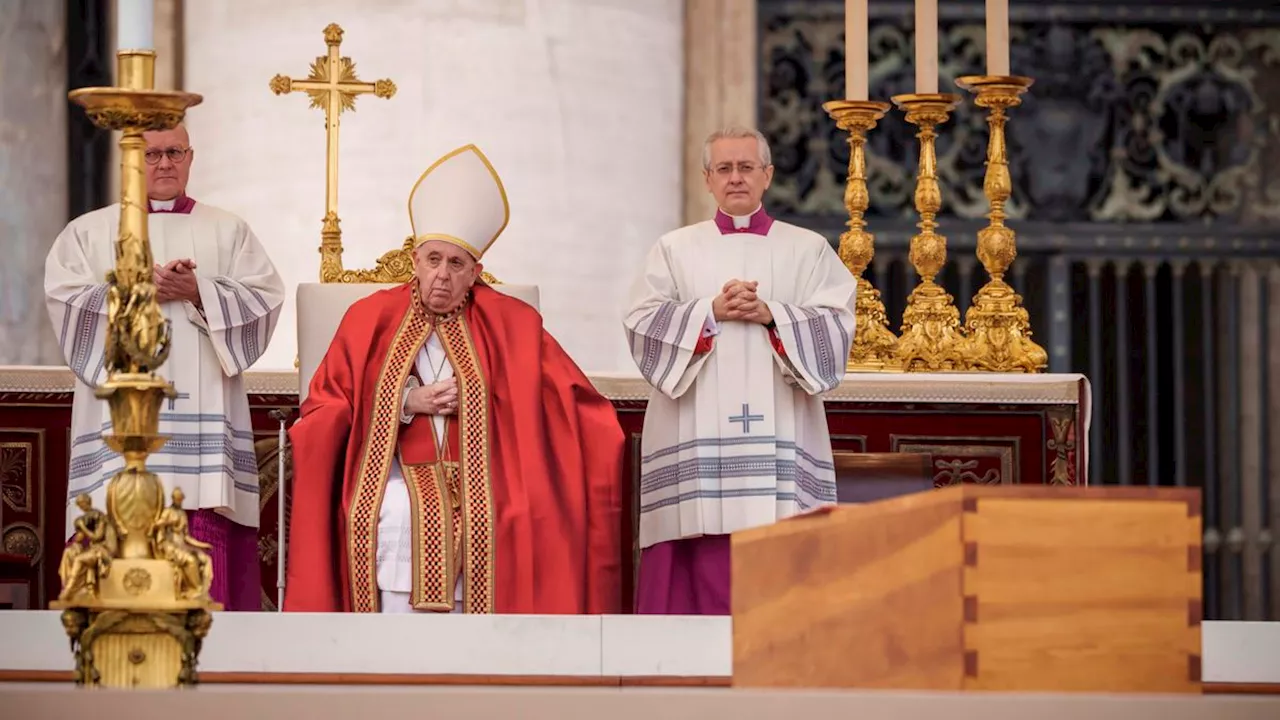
pixel 986 388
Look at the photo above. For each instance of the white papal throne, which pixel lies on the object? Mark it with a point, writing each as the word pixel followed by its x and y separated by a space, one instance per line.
pixel 321 307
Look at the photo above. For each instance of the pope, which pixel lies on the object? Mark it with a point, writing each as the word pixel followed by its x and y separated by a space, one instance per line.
pixel 450 456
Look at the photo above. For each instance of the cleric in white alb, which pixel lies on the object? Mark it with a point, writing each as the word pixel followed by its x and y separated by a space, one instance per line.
pixel 739 323
pixel 222 295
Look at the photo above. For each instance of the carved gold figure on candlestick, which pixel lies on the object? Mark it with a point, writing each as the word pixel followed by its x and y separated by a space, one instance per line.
pixel 998 328
pixel 332 87
pixel 874 344
pixel 930 338
pixel 124 608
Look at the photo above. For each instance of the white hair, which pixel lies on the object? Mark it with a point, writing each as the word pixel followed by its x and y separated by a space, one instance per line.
pixel 733 133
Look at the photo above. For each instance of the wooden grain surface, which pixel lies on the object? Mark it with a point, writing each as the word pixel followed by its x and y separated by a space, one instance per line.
pixel 1008 588
pixel 1087 594
pixel 895 566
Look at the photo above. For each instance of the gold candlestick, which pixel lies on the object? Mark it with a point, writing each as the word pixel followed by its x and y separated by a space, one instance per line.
pixel 135 584
pixel 930 338
pixel 873 343
pixel 998 327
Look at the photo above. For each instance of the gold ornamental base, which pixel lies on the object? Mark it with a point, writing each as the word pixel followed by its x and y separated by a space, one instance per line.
pixel 996 333
pixel 874 347
pixel 127 649
pixel 136 633
pixel 134 582
pixel 931 338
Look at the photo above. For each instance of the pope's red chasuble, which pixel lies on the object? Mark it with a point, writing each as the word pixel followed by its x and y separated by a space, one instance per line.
pixel 522 503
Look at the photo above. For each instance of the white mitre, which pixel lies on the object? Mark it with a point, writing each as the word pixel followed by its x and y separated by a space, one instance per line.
pixel 459 199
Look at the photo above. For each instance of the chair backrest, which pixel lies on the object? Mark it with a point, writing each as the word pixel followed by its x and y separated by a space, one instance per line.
pixel 321 307
pixel 867 477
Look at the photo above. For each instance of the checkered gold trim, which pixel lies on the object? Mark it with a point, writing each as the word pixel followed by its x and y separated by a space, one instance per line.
pixel 435 498
pixel 378 452
pixel 478 522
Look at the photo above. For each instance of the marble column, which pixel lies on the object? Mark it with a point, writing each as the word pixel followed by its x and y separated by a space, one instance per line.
pixel 33 172
pixel 576 102
pixel 721 60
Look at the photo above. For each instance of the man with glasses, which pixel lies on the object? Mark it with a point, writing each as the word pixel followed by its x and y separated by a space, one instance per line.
pixel 739 323
pixel 222 296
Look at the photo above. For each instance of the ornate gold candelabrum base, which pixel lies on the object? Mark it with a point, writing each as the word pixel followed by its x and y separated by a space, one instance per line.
pixel 930 338
pixel 998 329
pixel 874 345
pixel 135 584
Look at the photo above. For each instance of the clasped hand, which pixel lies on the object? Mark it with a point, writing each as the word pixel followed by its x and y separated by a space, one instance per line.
pixel 177 281
pixel 439 398
pixel 738 301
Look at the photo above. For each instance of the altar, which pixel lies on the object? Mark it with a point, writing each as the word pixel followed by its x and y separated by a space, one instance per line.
pixel 992 428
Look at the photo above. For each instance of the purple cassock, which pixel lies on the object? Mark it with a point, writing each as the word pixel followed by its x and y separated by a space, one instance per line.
pixel 690 576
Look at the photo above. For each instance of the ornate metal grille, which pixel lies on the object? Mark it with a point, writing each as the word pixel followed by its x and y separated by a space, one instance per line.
pixel 89 64
pixel 1146 168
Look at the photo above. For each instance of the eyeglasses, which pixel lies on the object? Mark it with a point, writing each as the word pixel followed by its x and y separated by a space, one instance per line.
pixel 744 168
pixel 175 155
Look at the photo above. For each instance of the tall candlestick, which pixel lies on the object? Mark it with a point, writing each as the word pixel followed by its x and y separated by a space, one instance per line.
pixel 135 25
pixel 141 570
pixel 856 50
pixel 998 37
pixel 926 47
pixel 931 333
pixel 874 344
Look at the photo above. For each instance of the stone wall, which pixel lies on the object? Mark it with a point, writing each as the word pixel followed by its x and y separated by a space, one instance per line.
pixel 33 172
pixel 578 103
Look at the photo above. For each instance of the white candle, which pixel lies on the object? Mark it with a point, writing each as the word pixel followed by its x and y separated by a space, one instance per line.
pixel 997 37
pixel 135 25
pixel 926 46
pixel 856 50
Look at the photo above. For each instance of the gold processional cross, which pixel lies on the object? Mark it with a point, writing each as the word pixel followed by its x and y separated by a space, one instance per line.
pixel 332 87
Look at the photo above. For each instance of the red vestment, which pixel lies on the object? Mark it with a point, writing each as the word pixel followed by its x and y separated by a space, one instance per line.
pixel 533 466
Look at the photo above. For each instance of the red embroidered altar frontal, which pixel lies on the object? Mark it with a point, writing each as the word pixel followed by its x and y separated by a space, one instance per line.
pixel 976 428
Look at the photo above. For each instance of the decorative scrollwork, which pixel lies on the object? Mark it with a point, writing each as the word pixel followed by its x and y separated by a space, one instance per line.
pixel 958 472
pixel 393 267
pixel 21 540
pixel 15 475
pixel 121 118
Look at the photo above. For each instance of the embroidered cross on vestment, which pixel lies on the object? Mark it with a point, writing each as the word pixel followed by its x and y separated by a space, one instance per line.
pixel 746 418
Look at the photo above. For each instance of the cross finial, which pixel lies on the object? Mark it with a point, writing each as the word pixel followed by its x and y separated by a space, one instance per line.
pixel 332 86
pixel 333 34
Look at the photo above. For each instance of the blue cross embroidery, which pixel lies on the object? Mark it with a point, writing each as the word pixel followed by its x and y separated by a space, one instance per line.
pixel 174 400
pixel 746 418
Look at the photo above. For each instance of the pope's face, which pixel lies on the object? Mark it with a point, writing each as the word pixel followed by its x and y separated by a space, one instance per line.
pixel 736 177
pixel 168 157
pixel 445 273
